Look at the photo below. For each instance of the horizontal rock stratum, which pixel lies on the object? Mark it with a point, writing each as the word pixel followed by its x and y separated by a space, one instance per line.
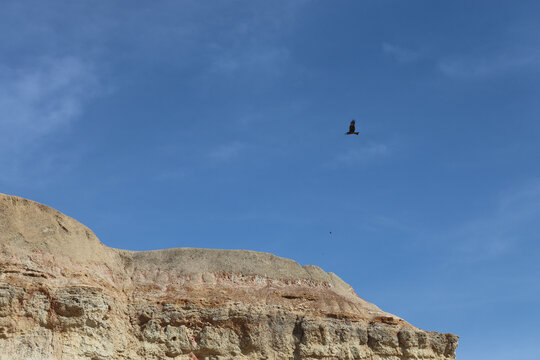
pixel 65 295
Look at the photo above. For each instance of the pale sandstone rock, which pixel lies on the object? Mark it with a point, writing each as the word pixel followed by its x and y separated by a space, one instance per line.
pixel 65 295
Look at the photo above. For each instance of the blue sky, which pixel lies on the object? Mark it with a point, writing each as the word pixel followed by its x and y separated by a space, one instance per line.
pixel 221 125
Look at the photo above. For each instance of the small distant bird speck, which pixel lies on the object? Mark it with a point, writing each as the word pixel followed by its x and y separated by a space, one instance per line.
pixel 351 129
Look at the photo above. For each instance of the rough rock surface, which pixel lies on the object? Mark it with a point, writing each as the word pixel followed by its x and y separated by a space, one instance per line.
pixel 65 295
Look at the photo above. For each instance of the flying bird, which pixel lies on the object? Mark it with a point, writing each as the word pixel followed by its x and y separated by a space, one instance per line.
pixel 351 129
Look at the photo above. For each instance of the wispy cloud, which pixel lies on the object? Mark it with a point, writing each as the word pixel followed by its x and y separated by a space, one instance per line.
pixel 514 220
pixel 399 53
pixel 366 153
pixel 37 102
pixel 470 66
pixel 227 152
pixel 266 60
pixel 171 175
pixel 253 45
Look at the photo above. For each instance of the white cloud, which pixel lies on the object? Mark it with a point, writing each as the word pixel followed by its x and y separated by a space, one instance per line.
pixel 37 102
pixel 364 154
pixel 400 54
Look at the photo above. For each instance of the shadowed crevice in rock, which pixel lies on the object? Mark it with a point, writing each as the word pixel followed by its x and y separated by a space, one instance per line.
pixel 65 295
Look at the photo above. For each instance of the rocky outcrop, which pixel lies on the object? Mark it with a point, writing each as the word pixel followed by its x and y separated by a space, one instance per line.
pixel 65 295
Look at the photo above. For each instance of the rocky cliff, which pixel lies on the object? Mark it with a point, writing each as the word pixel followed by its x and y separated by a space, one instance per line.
pixel 65 295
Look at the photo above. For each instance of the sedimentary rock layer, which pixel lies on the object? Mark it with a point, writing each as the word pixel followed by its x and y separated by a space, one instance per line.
pixel 65 295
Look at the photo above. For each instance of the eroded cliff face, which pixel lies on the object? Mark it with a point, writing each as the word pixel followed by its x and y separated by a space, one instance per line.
pixel 65 295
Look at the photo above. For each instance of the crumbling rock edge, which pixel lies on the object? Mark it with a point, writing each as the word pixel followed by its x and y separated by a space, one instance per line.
pixel 65 295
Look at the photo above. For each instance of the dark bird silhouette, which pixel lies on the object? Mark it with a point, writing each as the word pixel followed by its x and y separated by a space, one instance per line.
pixel 351 129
